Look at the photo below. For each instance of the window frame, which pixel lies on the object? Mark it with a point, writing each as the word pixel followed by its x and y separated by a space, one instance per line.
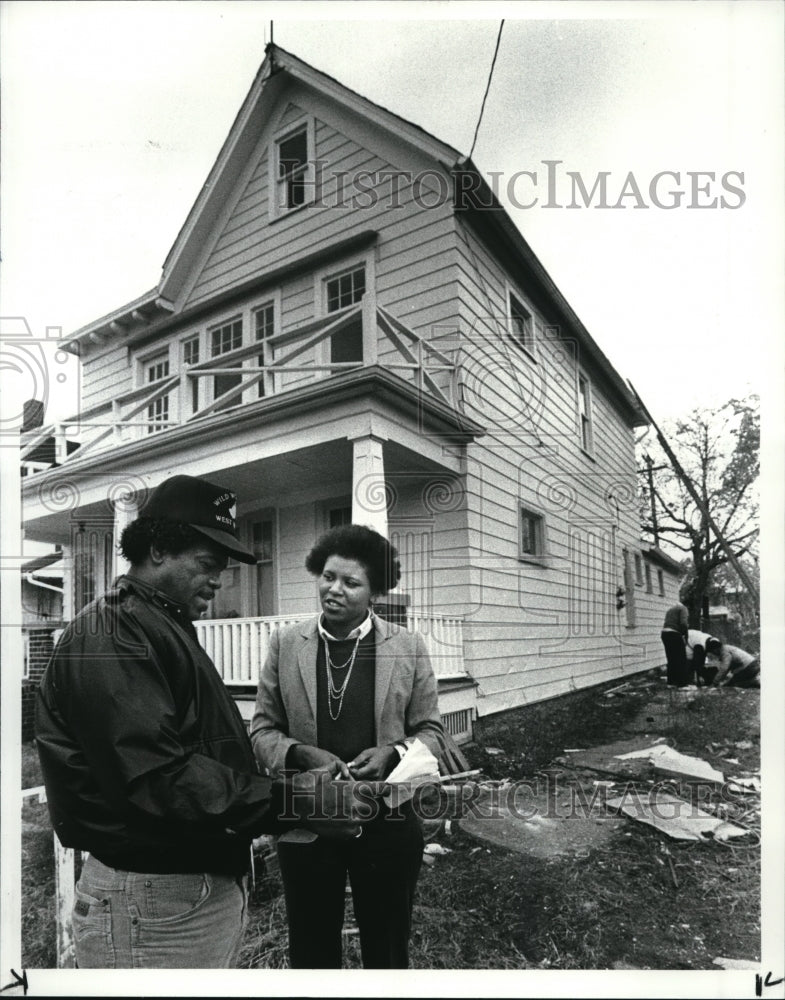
pixel 647 574
pixel 333 505
pixel 529 349
pixel 328 273
pixel 196 402
pixel 158 412
pixel 584 421
pixel 660 583
pixel 540 557
pixel 637 559
pixel 278 210
pixel 269 384
pixel 234 318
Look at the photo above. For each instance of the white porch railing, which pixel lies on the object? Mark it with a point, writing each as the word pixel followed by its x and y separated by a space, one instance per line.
pixel 238 646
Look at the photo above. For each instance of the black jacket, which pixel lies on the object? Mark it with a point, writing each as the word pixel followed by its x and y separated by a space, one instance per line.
pixel 146 759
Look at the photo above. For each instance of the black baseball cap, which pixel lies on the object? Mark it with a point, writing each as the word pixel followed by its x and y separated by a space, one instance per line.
pixel 203 506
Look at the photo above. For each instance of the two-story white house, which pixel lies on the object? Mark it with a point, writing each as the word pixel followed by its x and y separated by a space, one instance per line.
pixel 350 327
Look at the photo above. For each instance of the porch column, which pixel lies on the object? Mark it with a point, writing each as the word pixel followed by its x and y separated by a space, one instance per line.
pixel 369 497
pixel 68 582
pixel 126 509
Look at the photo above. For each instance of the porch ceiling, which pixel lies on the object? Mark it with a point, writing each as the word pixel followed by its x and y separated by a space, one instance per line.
pixel 317 471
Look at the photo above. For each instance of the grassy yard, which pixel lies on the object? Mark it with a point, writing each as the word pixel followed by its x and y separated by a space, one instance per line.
pixel 639 901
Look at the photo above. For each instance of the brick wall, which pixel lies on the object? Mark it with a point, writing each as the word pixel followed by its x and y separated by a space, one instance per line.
pixel 39 645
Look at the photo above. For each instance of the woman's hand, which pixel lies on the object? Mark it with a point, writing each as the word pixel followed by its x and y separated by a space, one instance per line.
pixel 306 758
pixel 374 763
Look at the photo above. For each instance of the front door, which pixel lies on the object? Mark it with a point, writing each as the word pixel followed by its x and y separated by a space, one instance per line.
pixel 263 597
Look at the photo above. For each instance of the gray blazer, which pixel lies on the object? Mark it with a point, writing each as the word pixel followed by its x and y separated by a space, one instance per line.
pixel 405 701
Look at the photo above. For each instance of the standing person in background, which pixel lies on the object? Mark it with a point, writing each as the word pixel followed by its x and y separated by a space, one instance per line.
pixel 737 668
pixel 674 639
pixel 146 760
pixel 696 657
pixel 348 690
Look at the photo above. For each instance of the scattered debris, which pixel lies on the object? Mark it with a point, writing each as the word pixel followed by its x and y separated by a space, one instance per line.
pixel 736 963
pixel 493 751
pixel 747 786
pixel 666 760
pixel 437 849
pixel 674 816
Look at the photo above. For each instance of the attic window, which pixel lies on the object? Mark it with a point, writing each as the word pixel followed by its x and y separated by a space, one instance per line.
pixel 292 168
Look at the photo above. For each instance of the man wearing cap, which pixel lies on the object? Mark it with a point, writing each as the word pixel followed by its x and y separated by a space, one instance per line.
pixel 146 759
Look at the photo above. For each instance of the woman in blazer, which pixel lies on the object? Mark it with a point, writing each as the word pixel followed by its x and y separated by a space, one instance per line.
pixel 351 688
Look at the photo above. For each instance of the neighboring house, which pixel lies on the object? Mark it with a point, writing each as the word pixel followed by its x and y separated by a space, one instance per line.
pixel 349 327
pixel 42 616
pixel 651 586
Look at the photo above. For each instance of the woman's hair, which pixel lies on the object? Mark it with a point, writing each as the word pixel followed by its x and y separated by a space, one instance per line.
pixel 167 536
pixel 365 546
pixel 713 646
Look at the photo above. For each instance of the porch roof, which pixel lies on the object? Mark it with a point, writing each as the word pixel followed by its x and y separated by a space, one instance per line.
pixel 370 400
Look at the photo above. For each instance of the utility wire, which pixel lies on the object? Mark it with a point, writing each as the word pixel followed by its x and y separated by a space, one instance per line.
pixel 487 87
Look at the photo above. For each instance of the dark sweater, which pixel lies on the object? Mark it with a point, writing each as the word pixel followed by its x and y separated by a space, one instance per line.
pixel 354 730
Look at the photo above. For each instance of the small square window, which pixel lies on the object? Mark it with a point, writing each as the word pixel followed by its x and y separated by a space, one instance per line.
pixel 531 535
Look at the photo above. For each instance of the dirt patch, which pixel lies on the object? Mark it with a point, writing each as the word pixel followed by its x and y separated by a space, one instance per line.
pixel 542 820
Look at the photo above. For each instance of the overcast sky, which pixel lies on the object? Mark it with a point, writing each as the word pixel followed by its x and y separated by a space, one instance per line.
pixel 114 113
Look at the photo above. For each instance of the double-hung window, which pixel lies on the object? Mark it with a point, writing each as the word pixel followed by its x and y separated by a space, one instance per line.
pixel 292 169
pixel 585 427
pixel 223 339
pixel 520 323
pixel 191 357
pixel 157 368
pixel 341 291
pixel 264 328
pixel 531 535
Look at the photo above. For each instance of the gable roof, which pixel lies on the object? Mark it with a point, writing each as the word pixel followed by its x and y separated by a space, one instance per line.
pixel 492 222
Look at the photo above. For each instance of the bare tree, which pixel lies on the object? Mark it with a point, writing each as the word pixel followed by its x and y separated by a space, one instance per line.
pixel 718 451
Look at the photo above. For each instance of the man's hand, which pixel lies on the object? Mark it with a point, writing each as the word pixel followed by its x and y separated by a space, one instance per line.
pixel 326 806
pixel 307 758
pixel 374 763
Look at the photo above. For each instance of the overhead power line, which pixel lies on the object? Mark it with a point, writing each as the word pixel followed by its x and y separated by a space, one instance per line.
pixel 487 87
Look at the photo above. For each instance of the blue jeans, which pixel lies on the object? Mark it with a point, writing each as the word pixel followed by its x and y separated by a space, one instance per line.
pixel 133 920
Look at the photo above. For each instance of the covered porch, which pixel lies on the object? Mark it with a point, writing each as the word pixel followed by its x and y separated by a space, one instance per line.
pixel 365 446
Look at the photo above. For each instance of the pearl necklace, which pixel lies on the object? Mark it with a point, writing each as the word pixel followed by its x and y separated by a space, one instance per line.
pixel 336 692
